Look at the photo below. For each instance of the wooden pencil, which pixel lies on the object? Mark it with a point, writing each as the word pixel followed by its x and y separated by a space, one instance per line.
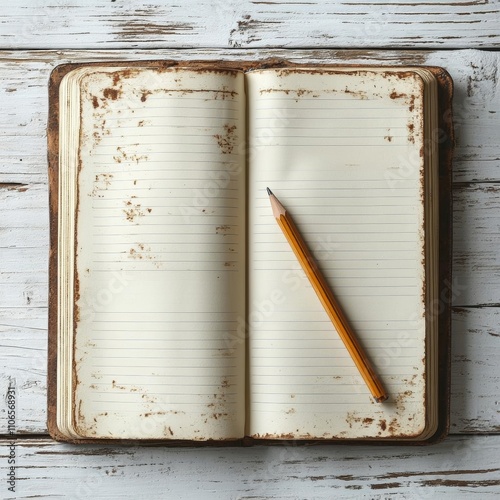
pixel 326 297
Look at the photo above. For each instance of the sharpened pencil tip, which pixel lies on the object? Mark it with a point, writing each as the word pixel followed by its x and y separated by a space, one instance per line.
pixel 269 192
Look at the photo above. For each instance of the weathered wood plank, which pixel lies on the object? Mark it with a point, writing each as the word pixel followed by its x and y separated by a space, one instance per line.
pixel 460 467
pixel 24 240
pixel 355 23
pixel 23 99
pixel 476 240
pixel 475 378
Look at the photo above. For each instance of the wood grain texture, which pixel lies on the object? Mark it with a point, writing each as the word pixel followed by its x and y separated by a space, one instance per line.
pixel 475 378
pixel 64 24
pixel 457 468
pixel 476 240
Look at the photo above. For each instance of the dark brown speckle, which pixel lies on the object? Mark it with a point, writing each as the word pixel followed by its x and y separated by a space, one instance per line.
pixel 112 94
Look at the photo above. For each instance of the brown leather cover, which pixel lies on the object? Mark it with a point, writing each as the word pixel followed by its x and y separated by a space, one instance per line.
pixel 446 144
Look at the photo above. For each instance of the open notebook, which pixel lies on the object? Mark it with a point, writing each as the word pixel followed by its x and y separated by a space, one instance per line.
pixel 178 310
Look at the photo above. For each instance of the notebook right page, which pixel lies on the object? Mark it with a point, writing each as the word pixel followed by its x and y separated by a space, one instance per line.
pixel 343 152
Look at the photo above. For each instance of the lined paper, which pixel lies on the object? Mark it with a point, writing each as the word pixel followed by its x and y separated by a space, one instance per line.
pixel 342 154
pixel 161 255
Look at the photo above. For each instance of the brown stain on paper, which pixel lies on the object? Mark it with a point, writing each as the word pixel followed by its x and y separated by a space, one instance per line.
pixel 224 94
pixel 411 133
pixel 400 400
pixel 217 407
pixel 153 413
pixel 220 94
pixel 410 99
pixel 101 183
pixel 111 93
pixel 124 156
pixel 411 104
pixel 393 426
pixel 119 76
pixel 360 94
pixel 114 385
pixel 145 94
pixel 133 211
pixel 136 253
pixel 222 229
pixel 353 418
pixel 228 139
pixel 143 252
pixel 100 129
pixel 396 95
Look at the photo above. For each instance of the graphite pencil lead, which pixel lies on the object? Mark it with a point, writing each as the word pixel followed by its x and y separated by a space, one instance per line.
pixel 269 192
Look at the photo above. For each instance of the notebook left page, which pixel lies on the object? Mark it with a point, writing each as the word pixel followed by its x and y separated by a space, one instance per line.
pixel 158 254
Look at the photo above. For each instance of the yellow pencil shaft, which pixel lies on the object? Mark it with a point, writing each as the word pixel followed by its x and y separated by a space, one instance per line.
pixel 331 306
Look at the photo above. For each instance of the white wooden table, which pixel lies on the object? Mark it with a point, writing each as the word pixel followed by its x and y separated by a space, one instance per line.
pixel 461 35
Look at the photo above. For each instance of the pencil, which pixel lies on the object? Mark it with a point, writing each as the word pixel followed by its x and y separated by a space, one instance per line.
pixel 326 297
